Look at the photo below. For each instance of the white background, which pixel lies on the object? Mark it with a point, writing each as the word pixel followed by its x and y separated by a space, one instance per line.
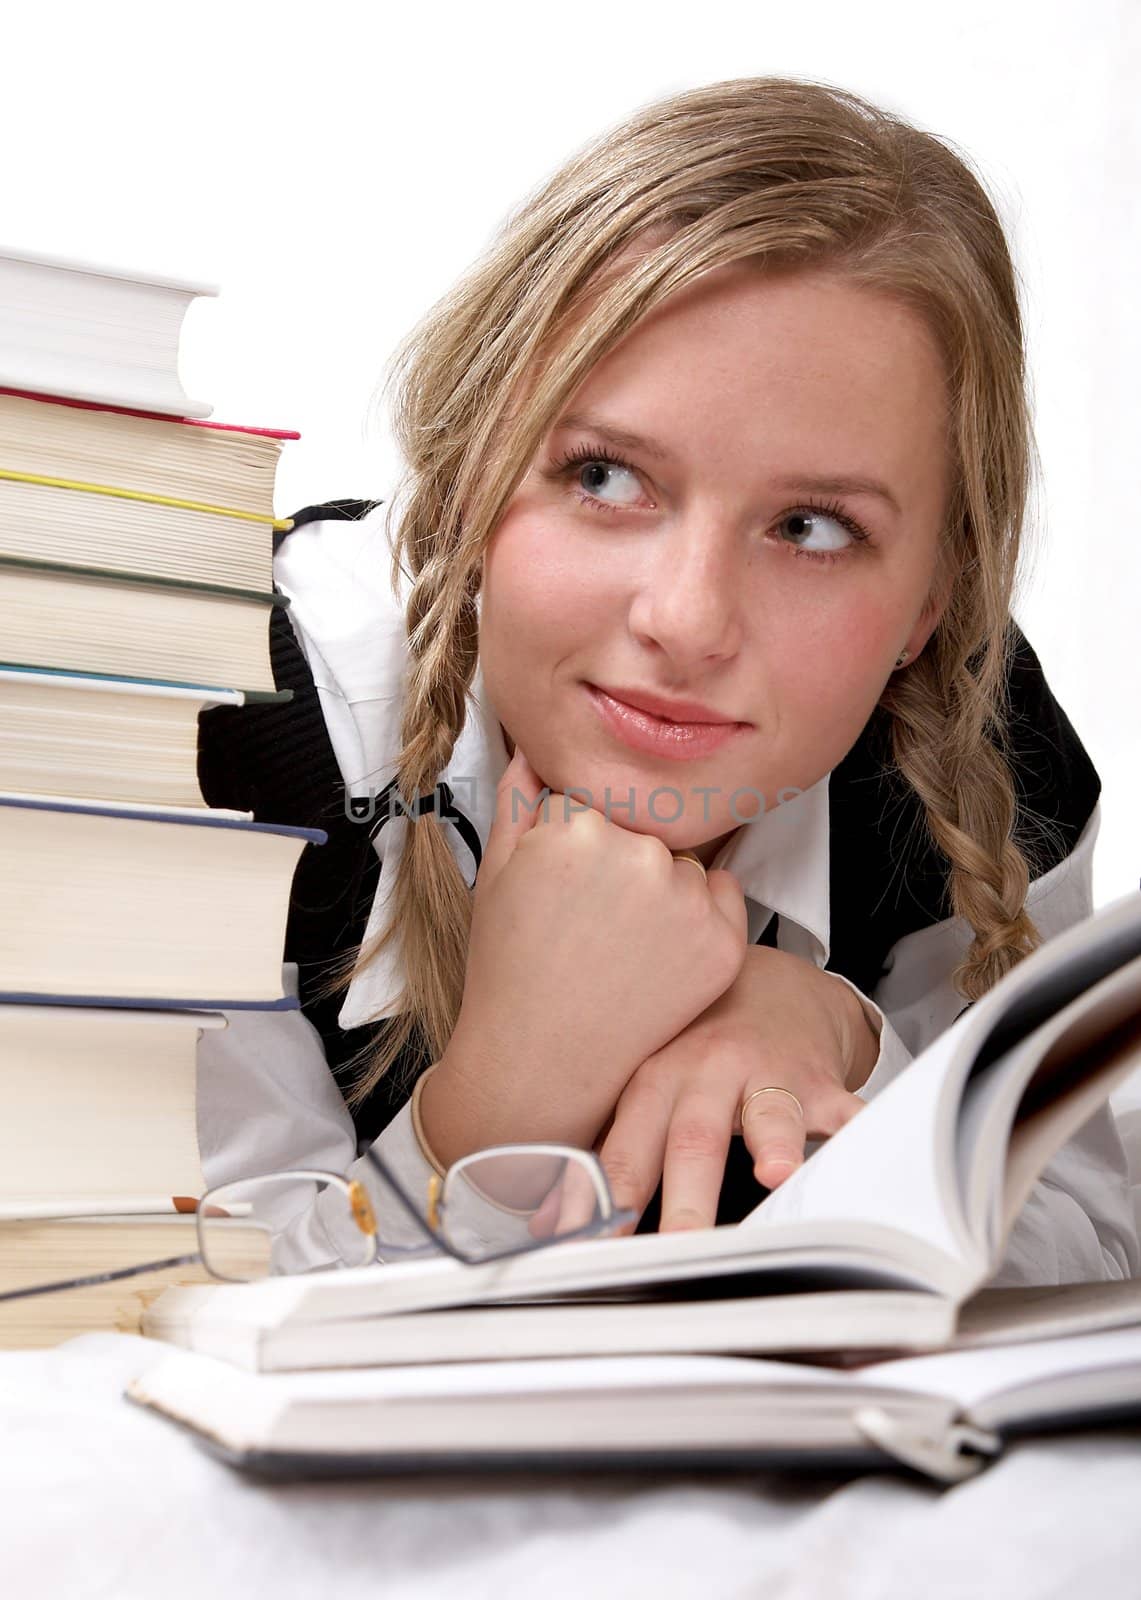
pixel 335 166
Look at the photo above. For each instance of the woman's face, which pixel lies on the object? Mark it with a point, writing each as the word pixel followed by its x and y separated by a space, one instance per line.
pixel 721 552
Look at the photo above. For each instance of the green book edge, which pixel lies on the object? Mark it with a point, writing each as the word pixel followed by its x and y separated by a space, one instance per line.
pixel 146 580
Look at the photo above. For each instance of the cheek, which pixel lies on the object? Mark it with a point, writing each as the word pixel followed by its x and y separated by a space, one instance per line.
pixel 834 629
pixel 541 585
pixel 827 654
pixel 536 606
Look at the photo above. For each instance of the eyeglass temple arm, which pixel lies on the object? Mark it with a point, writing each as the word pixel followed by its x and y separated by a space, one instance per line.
pixel 100 1277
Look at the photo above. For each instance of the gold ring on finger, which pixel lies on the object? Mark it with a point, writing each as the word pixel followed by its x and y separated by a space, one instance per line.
pixel 748 1100
pixel 688 855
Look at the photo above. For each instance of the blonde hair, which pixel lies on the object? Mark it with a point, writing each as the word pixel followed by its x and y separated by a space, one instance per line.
pixel 791 174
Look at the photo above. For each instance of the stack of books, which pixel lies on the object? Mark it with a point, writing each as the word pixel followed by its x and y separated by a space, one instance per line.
pixel 135 593
pixel 848 1323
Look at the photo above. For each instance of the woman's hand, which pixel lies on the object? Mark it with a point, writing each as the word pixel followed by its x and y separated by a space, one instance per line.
pixel 590 949
pixel 783 1023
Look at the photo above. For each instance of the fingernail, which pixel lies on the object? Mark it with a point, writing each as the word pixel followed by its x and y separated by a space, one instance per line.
pixel 770 1168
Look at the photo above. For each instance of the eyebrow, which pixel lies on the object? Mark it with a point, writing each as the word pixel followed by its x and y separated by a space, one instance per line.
pixel 853 483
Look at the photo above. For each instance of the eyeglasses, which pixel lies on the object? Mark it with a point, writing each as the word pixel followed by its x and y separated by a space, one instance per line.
pixel 494 1203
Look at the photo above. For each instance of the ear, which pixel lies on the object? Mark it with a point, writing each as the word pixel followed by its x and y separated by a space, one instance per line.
pixel 929 616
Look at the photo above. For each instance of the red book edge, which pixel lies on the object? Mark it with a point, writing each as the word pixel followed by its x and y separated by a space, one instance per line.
pixel 159 416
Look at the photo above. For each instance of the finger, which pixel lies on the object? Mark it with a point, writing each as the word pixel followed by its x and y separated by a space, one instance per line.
pixel 577 1201
pixel 633 1151
pixel 774 1132
pixel 729 899
pixel 546 1219
pixel 828 1108
pixel 694 1166
pixel 835 1112
pixel 516 813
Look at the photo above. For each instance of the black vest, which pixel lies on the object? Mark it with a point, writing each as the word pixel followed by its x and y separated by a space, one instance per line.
pixel 887 877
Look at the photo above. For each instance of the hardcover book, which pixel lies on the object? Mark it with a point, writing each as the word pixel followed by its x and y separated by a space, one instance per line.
pixel 96 332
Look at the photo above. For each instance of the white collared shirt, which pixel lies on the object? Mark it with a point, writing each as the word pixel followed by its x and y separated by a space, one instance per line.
pixel 268 1099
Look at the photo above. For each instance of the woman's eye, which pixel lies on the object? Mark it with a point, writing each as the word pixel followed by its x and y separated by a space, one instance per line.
pixel 598 476
pixel 818 531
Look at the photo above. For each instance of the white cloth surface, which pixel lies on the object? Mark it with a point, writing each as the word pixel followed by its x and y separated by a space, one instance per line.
pixel 100 1500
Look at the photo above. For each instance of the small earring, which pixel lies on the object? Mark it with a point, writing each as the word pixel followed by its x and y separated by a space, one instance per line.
pixel 902 657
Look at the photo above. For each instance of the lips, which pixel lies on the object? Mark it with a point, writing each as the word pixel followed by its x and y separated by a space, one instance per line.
pixel 653 735
pixel 688 712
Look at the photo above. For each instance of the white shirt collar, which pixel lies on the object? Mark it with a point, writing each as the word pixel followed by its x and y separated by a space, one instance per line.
pixel 351 628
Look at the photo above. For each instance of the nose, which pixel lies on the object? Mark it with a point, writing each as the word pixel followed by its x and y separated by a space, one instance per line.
pixel 688 594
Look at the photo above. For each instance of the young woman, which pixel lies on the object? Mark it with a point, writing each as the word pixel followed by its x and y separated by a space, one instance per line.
pixel 716 469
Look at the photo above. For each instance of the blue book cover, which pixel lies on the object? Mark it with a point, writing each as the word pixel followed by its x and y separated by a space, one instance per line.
pixel 189 819
pixel 288 1002
pixel 113 681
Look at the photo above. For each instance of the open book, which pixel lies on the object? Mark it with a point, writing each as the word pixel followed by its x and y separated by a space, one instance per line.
pixel 942 1415
pixel 874 1243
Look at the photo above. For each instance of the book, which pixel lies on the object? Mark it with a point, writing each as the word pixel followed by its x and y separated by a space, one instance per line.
pixel 75 618
pixel 919 1193
pixel 136 493
pixel 95 332
pixel 103 739
pixel 42 1250
pixel 147 908
pixel 612 1325
pixel 801 1324
pixel 102 680
pixel 944 1415
pixel 97 1109
pixel 840 1326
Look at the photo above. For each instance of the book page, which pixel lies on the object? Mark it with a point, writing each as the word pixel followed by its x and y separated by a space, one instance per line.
pixel 982 1379
pixel 1090 1077
pixel 901 1160
pixel 1045 1311
pixel 892 1165
pixel 1019 1111
pixel 1059 972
